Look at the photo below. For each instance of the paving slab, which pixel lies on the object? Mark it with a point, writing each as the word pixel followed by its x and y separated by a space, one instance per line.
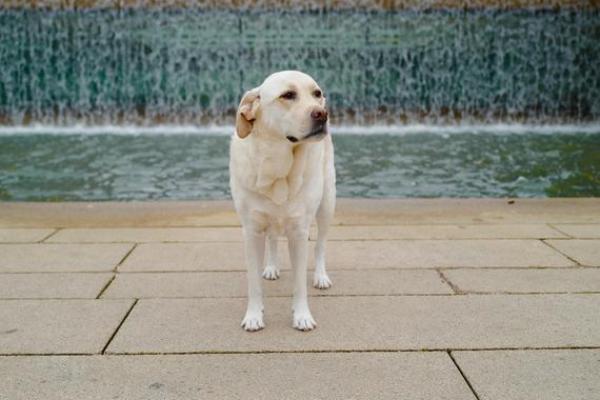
pixel 443 253
pixel 52 286
pixel 16 235
pixel 111 214
pixel 413 376
pixel 233 284
pixel 570 280
pixel 186 257
pixel 480 231
pixel 58 326
pixel 365 323
pixel 373 254
pixel 586 252
pixel 532 375
pixel 348 212
pixel 465 211
pixel 580 231
pixel 143 235
pixel 61 257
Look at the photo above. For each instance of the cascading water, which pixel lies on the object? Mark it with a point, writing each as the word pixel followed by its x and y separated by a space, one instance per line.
pixel 190 66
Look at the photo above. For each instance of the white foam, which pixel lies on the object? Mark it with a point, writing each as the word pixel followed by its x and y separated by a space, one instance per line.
pixel 338 130
pixel 461 129
pixel 116 130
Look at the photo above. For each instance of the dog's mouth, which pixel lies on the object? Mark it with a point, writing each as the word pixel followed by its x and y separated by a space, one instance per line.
pixel 315 133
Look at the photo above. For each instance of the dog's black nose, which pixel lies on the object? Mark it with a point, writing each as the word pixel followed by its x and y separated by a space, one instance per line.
pixel 319 115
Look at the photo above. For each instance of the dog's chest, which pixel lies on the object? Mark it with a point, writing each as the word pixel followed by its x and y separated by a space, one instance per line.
pixel 278 222
pixel 276 227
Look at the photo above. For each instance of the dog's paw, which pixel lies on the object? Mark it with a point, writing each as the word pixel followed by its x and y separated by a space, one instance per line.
pixel 321 281
pixel 304 321
pixel 270 273
pixel 253 321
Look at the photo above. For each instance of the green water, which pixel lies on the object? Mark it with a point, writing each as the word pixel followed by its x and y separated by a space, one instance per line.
pixel 143 167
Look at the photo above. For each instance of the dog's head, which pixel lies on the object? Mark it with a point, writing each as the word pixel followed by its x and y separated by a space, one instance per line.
pixel 289 105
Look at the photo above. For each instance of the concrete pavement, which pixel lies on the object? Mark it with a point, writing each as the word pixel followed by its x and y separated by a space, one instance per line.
pixel 432 299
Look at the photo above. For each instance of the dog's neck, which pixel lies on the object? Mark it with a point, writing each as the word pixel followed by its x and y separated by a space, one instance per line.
pixel 279 167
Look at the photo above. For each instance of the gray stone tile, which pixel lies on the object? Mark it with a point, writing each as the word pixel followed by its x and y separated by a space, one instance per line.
pixel 443 253
pixel 532 375
pixel 482 231
pixel 525 280
pixel 586 252
pixel 581 231
pixel 233 284
pixel 142 235
pixel 186 257
pixel 16 235
pixel 348 212
pixel 58 326
pixel 411 376
pixel 365 323
pixel 463 211
pixel 52 286
pixel 111 214
pixel 61 257
pixel 374 254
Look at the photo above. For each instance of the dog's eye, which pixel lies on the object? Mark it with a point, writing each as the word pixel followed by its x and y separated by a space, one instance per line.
pixel 317 93
pixel 290 95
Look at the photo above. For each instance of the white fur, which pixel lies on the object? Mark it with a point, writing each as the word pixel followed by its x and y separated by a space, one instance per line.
pixel 280 187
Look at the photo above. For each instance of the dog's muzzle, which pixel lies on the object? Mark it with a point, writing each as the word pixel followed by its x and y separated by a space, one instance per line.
pixel 317 131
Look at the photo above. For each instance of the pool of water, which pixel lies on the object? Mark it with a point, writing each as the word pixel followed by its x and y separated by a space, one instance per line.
pixel 426 163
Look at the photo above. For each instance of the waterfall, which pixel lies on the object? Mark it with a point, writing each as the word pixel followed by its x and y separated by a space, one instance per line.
pixel 190 66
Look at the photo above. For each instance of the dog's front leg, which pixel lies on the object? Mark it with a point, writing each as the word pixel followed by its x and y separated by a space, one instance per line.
pixel 298 247
pixel 255 252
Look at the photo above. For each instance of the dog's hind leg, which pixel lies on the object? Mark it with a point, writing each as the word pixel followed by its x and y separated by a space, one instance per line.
pixel 271 272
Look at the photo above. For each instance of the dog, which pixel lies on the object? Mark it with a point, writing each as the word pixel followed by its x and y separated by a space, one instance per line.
pixel 282 177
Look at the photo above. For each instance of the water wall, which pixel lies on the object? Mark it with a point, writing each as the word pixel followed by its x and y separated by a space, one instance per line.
pixel 377 65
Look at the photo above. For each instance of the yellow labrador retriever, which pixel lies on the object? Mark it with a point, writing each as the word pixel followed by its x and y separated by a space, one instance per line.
pixel 282 176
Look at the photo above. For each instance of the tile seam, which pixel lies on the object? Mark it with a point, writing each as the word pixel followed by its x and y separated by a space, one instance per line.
pixel 341 351
pixel 568 257
pixel 452 286
pixel 116 268
pixel 105 287
pixel 464 376
pixel 225 271
pixel 407 239
pixel 374 350
pixel 133 304
pixel 462 294
pixel 54 232
pixel 552 226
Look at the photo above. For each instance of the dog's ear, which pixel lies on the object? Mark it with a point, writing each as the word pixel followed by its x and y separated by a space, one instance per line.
pixel 246 113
